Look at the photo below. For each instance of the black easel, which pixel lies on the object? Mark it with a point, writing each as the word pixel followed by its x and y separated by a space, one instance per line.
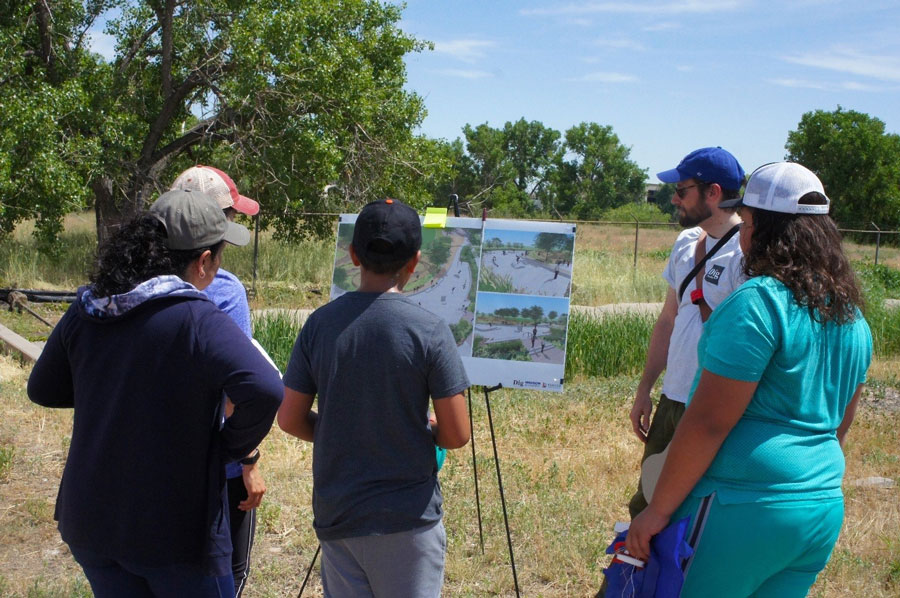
pixel 475 472
pixel 308 571
pixel 512 560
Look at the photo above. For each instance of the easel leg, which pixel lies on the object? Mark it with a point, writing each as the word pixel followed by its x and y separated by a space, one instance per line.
pixel 475 472
pixel 512 560
pixel 308 571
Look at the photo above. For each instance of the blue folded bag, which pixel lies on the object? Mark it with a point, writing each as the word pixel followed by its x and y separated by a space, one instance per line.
pixel 662 576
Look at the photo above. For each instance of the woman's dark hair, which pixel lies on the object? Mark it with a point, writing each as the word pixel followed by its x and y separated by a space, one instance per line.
pixel 138 252
pixel 804 252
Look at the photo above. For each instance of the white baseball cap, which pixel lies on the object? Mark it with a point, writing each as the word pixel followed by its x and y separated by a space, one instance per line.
pixel 217 184
pixel 778 187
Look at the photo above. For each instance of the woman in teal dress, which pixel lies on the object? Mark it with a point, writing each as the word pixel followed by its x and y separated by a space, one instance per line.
pixel 757 460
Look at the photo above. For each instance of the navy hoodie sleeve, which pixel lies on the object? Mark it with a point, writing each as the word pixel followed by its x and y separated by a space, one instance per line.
pixel 50 383
pixel 251 383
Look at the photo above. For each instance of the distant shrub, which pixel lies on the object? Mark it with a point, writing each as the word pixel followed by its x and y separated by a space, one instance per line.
pixel 643 211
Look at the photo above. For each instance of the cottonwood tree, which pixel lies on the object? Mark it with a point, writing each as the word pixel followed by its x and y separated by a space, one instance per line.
pixel 599 174
pixel 302 102
pixel 857 162
pixel 47 82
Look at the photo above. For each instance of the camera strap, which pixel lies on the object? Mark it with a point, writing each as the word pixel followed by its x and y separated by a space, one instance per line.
pixel 700 258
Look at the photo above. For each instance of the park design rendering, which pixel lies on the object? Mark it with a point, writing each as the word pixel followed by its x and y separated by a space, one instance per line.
pixel 521 328
pixel 526 279
pixel 527 262
pixel 503 288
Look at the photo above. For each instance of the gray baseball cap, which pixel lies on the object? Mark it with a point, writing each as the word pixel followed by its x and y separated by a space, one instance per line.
pixel 194 219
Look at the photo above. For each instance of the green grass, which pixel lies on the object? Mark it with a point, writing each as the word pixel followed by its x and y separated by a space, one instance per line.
pixel 495 283
pixel 276 333
pixel 513 350
pixel 23 265
pixel 461 330
pixel 607 346
pixel 7 454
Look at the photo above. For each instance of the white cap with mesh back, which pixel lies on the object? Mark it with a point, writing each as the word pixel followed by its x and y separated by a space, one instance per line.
pixel 778 187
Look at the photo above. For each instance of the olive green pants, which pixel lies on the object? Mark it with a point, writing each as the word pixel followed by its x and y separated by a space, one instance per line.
pixel 662 428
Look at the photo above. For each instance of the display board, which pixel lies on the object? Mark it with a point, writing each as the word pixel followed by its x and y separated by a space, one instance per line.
pixel 503 288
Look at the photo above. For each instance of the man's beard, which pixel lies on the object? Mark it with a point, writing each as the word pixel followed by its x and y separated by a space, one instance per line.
pixel 695 216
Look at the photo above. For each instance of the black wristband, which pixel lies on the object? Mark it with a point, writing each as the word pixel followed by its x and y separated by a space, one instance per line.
pixel 252 459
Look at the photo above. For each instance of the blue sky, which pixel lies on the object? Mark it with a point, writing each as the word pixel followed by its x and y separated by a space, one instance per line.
pixel 669 76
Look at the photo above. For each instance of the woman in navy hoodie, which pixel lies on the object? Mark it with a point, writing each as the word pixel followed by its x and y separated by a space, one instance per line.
pixel 145 359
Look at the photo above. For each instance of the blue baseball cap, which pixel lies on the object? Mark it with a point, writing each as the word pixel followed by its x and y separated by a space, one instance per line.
pixel 710 165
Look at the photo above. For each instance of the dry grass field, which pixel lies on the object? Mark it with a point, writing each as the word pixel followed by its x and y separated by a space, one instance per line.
pixel 569 462
pixel 568 465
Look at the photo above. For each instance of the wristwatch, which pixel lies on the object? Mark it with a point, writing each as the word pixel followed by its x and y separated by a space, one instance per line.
pixel 252 459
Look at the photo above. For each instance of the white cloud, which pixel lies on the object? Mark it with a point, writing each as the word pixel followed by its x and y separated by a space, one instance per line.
pixel 620 43
pixel 466 50
pixel 654 8
pixel 847 60
pixel 102 44
pixel 856 86
pixel 684 68
pixel 668 26
pixel 604 77
pixel 824 86
pixel 464 74
pixel 578 22
pixel 798 83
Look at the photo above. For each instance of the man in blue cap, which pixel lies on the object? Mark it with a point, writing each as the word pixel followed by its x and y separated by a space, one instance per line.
pixel 703 179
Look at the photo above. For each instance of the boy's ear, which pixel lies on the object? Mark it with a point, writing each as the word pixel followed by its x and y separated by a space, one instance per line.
pixel 353 257
pixel 413 262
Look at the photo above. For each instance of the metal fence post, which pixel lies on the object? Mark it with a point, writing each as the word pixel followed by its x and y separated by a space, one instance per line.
pixel 637 228
pixel 877 241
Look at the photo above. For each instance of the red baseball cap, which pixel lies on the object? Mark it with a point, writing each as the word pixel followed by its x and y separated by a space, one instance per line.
pixel 218 185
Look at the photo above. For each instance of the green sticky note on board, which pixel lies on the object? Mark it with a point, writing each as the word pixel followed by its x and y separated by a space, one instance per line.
pixel 435 218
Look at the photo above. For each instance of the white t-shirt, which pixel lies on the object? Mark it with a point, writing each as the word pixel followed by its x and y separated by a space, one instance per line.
pixel 723 275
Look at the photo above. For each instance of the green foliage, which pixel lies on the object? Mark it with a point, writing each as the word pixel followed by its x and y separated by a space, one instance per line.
pixel 512 350
pixel 643 211
pixel 43 588
pixel 495 283
pixel 277 332
pixel 533 313
pixel 878 283
pixel 302 102
pixel 601 176
pixel 44 168
pixel 7 455
pixel 858 163
pixel 524 169
pixel 608 346
pixel 461 330
pixel 438 252
pixel 881 279
pixel 663 199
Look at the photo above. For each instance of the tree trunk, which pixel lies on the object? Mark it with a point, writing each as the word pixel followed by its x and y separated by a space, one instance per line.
pixel 111 212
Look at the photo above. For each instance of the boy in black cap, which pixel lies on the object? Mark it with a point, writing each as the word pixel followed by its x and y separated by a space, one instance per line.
pixel 373 358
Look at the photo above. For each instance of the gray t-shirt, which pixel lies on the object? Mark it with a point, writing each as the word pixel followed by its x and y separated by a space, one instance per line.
pixel 373 360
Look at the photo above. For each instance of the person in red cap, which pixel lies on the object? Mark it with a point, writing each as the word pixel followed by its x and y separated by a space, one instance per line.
pixel 245 483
